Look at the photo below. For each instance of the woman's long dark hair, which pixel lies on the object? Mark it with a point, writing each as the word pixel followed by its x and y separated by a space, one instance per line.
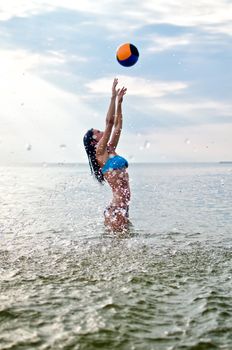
pixel 89 144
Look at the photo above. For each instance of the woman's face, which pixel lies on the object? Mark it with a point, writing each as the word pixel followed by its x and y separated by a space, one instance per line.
pixel 97 135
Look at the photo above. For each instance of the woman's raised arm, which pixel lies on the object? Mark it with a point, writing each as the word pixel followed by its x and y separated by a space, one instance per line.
pixel 102 144
pixel 118 121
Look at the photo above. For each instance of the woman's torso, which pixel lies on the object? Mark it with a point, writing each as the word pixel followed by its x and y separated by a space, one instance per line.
pixel 114 168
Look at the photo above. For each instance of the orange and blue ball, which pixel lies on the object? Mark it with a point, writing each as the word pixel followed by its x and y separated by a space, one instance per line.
pixel 127 55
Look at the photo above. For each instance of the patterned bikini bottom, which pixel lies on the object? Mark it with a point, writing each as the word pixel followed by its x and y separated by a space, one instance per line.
pixel 112 210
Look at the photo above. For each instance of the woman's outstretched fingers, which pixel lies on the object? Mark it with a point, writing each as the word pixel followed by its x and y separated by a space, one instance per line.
pixel 121 93
pixel 115 82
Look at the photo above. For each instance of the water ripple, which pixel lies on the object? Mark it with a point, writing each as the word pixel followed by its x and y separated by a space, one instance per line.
pixel 65 283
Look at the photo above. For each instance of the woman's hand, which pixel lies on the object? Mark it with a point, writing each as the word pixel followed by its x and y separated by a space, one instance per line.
pixel 121 93
pixel 114 91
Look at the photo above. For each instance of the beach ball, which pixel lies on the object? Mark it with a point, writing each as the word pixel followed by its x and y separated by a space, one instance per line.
pixel 127 55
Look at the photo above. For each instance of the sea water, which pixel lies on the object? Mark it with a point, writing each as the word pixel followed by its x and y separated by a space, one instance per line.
pixel 67 283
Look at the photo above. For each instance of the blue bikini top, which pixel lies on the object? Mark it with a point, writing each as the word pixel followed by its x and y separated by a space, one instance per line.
pixel 113 163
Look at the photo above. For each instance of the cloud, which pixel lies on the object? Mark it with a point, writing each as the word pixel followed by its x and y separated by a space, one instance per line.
pixel 162 43
pixel 189 143
pixel 203 14
pixel 169 113
pixel 209 15
pixel 24 8
pixel 196 107
pixel 137 86
pixel 38 113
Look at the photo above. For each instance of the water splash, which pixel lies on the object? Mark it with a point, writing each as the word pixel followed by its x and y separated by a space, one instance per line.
pixel 28 147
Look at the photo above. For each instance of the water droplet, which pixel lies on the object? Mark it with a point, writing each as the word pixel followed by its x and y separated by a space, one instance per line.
pixel 131 157
pixel 28 146
pixel 147 144
pixel 103 249
pixel 187 141
pixel 63 145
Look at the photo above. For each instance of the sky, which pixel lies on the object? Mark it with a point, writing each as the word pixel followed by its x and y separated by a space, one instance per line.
pixel 57 64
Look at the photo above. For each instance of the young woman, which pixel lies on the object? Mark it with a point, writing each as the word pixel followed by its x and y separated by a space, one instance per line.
pixel 105 164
